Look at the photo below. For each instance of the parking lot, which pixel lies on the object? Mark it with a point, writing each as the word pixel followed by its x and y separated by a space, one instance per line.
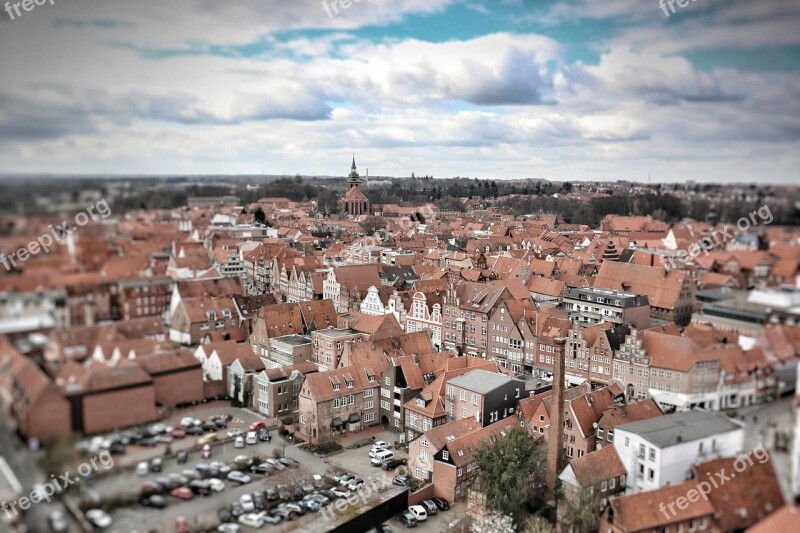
pixel 120 490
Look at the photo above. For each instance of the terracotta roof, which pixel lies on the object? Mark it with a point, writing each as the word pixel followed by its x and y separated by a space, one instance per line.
pixel 164 362
pixel 319 386
pixel 209 287
pixel 633 412
pixel 743 500
pixel 784 519
pixel 597 466
pixel 463 449
pixel 662 288
pixel 642 512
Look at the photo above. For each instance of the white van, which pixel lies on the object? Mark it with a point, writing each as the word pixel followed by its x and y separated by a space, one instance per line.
pixel 381 456
pixel 419 512
pixel 251 438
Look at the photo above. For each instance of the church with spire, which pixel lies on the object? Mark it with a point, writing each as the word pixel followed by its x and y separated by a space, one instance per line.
pixel 354 203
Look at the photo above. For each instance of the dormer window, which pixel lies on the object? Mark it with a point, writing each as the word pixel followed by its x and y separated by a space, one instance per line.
pixel 335 386
pixel 226 313
pixel 348 384
pixel 420 402
pixel 212 316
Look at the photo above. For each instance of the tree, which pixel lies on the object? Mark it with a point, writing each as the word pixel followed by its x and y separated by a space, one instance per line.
pixel 493 522
pixel 538 524
pixel 259 216
pixel 510 468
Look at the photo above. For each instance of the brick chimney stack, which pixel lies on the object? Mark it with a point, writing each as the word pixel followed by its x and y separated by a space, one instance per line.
pixel 555 444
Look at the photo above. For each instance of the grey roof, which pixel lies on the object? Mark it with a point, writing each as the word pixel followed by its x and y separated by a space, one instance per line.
pixel 669 430
pixel 480 381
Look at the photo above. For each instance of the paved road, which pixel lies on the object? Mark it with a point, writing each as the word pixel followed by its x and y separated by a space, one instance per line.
pixel 763 422
pixel 25 463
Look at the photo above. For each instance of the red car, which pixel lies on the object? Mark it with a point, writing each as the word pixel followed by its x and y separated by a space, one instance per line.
pixel 178 433
pixel 183 493
pixel 255 426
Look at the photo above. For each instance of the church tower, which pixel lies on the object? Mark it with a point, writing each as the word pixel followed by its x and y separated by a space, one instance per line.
pixel 354 203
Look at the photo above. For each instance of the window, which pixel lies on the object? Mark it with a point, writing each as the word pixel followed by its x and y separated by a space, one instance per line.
pixel 368 393
pixel 445 455
pixel 612 483
pixel 335 386
pixel 464 396
pixel 423 456
pixel 604 486
pixel 460 471
pixel 388 381
pixel 369 417
pixel 650 474
pixel 369 405
pixel 652 454
pixel 474 399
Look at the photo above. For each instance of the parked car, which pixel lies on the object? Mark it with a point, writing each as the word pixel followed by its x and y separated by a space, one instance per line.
pixel 157 429
pixel 179 479
pixel 277 464
pixel 401 481
pixel 441 503
pixel 194 430
pixel 430 507
pixel 156 501
pixel 317 480
pixel 263 435
pixel 317 497
pixel 379 446
pixel 147 442
pixel 156 464
pixel 328 494
pixel 255 426
pixel 178 433
pixel 284 513
pixel 270 518
pixel 163 439
pixel 271 494
pixel 234 432
pixel 239 477
pixel 391 464
pixel 229 528
pixel 384 528
pixel 286 461
pixel 263 468
pixel 188 421
pixel 247 503
pixel 259 501
pixel 182 493
pixel 283 492
pixel 207 439
pixel 190 474
pixel 182 457
pixel 58 522
pixel 205 451
pixel 340 492
pixel 356 484
pixel 407 519
pixel 294 507
pixel 251 520
pixel 142 468
pixel 151 487
pixel 251 438
pixel 236 509
pixel 311 505
pixel 220 422
pixel 419 512
pixel 98 518
pixel 221 467
pixel 209 426
pixel 200 487
pixel 346 479
pixel 337 476
pixel 238 443
pixel 216 485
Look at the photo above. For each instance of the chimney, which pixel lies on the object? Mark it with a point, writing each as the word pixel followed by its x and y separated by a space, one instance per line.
pixel 555 444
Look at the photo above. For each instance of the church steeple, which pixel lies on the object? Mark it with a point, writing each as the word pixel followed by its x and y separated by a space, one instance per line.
pixel 353 178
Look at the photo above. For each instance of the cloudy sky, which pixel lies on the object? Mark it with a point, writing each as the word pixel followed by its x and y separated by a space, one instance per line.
pixel 586 89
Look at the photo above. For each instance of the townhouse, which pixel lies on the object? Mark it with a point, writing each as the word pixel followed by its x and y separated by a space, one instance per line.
pixel 597 477
pixel 339 400
pixel 467 308
pixel 627 413
pixel 593 305
pixel 347 286
pixel 661 450
pixel 590 353
pixel 277 390
pixel 196 318
pixel 483 395
pixel 670 293
pixel 583 408
pixel 425 313
pixel 274 321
